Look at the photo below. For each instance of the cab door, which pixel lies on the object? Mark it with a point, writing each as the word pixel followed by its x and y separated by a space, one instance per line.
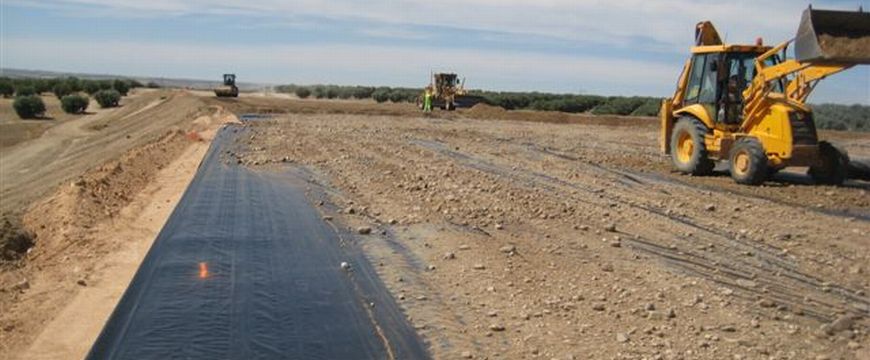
pixel 703 85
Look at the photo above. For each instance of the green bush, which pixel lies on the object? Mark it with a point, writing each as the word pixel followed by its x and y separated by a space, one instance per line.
pixel 62 89
pixel 107 98
pixel 381 94
pixel 29 106
pixel 44 85
pixel 331 92
pixel 74 104
pixel 397 96
pixel 319 91
pixel 121 86
pixel 6 88
pixel 303 92
pixel 363 92
pixel 842 117
pixel 26 90
pixel 649 108
pixel 75 85
pixel 619 106
pixel 287 89
pixel 570 104
pixel 105 84
pixel 345 92
pixel 90 86
pixel 152 85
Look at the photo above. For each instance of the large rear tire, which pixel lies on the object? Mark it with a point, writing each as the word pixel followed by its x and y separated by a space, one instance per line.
pixel 833 165
pixel 748 162
pixel 688 149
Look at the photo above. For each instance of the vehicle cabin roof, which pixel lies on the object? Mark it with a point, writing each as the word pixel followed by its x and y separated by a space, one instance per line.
pixel 730 48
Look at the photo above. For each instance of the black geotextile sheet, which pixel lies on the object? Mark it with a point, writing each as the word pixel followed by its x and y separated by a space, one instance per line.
pixel 245 268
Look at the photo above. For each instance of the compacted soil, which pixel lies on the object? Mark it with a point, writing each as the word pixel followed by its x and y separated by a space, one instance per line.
pixel 567 236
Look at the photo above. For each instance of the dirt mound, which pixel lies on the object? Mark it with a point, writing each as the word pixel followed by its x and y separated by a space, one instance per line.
pixel 98 194
pixel 487 111
pixel 14 240
pixel 64 244
pixel 845 47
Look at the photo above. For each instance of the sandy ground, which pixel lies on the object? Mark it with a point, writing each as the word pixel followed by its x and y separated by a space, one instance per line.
pixel 14 130
pixel 513 239
pixel 516 235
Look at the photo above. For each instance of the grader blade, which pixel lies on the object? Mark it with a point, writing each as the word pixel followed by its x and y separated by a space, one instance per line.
pixel 833 36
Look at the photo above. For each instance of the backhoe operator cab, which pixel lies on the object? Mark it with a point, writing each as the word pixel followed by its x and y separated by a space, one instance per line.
pixel 717 81
pixel 746 104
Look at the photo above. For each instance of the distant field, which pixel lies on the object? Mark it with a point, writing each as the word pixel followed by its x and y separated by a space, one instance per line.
pixel 828 116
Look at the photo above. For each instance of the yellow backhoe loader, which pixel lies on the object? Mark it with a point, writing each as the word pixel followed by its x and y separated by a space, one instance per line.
pixel 746 104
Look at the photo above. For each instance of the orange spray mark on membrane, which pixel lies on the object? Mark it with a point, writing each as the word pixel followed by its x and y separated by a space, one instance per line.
pixel 203 270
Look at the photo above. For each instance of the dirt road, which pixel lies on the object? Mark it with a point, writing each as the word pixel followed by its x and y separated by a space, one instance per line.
pixel 32 168
pixel 511 239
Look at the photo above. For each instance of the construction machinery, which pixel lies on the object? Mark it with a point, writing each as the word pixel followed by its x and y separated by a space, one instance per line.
pixel 746 104
pixel 448 92
pixel 229 88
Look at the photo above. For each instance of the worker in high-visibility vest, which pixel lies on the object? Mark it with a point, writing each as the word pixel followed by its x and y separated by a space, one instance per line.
pixel 427 101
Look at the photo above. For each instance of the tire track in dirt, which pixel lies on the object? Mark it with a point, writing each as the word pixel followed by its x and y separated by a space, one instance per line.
pixel 648 179
pixel 736 260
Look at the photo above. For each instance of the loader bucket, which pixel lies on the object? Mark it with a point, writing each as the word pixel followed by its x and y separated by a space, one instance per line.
pixel 833 36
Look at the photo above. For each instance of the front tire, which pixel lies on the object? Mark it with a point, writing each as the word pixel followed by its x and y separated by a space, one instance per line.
pixel 748 162
pixel 833 165
pixel 688 149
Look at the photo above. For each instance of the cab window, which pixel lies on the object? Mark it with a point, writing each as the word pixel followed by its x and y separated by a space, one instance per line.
pixel 709 80
pixel 694 85
pixel 702 80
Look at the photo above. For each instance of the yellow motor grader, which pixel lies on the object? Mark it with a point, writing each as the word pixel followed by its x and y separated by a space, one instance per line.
pixel 448 92
pixel 746 104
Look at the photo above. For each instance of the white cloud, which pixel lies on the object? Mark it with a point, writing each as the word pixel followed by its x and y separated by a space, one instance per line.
pixel 667 22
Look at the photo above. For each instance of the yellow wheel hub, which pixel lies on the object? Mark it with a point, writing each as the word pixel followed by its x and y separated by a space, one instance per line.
pixel 741 162
pixel 685 148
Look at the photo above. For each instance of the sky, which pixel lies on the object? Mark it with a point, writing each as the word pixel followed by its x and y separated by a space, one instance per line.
pixel 626 47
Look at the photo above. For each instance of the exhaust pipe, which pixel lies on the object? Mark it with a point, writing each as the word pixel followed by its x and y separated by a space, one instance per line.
pixel 833 36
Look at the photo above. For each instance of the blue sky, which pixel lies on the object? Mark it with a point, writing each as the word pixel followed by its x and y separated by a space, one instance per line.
pixel 630 47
